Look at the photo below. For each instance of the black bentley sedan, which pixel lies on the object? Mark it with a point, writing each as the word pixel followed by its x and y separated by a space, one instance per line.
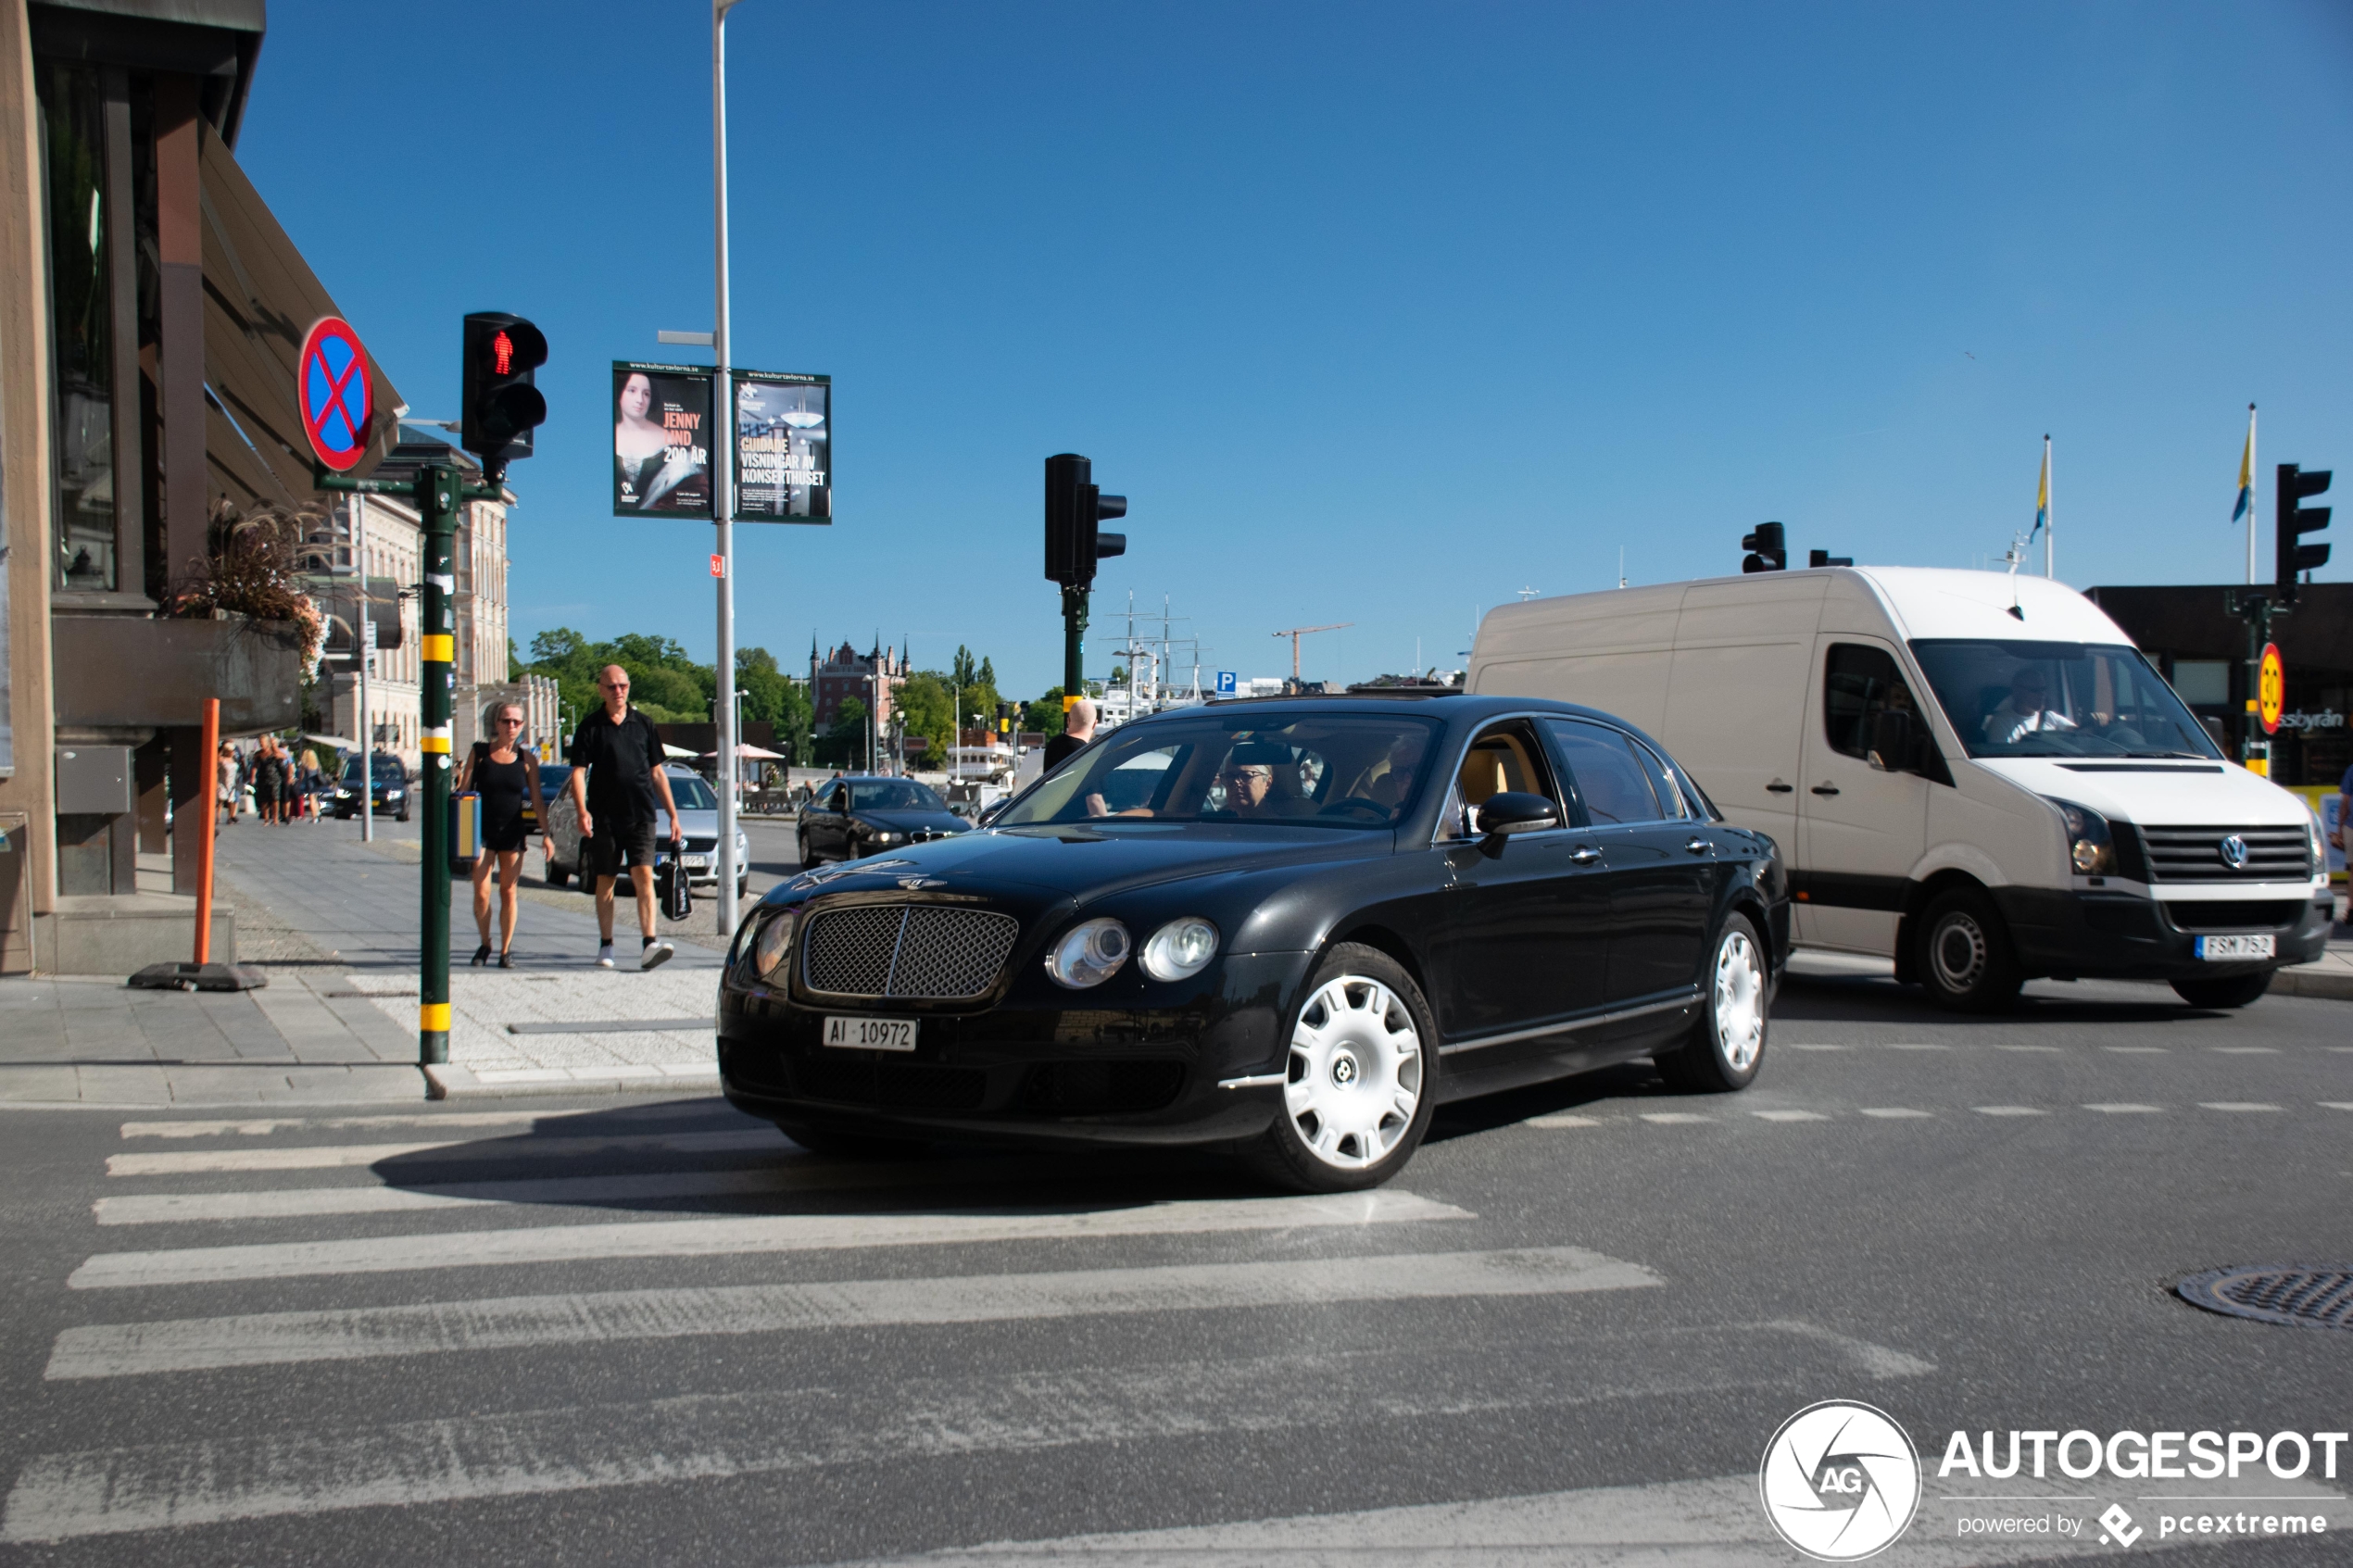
pixel 853 817
pixel 1290 926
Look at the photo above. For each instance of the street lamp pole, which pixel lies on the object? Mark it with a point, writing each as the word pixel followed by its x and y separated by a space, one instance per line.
pixel 723 475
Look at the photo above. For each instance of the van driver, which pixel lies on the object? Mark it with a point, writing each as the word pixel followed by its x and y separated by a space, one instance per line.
pixel 2022 713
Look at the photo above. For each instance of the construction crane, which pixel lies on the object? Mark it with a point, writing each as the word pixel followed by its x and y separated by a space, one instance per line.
pixel 1298 631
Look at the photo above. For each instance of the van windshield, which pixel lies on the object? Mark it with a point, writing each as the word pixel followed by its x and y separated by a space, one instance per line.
pixel 2058 699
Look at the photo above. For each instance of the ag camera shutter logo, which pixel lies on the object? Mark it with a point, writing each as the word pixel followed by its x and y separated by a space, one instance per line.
pixel 1840 1481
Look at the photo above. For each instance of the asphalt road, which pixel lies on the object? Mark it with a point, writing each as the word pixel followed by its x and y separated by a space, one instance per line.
pixel 623 1333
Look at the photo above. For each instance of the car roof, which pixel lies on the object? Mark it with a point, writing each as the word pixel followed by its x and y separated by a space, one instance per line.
pixel 1452 706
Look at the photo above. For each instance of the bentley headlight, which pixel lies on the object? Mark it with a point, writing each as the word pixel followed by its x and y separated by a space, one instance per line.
pixel 773 946
pixel 2091 850
pixel 1181 948
pixel 1089 954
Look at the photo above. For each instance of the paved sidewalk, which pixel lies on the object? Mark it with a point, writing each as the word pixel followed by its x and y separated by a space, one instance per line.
pixel 333 923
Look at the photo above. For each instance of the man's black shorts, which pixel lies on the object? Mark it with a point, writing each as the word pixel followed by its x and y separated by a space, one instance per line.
pixel 615 848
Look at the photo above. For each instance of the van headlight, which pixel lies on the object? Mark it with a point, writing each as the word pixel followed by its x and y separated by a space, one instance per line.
pixel 1181 948
pixel 2319 846
pixel 773 946
pixel 1089 954
pixel 2091 849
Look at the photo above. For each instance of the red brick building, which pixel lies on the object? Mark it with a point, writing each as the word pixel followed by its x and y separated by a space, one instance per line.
pixel 871 678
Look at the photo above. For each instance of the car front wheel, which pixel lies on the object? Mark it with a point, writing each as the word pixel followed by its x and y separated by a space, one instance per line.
pixel 1964 960
pixel 1361 1077
pixel 807 861
pixel 1727 1045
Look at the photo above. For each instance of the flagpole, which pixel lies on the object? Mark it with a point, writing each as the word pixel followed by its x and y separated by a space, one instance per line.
pixel 2050 515
pixel 2252 490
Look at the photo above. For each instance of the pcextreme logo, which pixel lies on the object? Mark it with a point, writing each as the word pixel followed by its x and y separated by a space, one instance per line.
pixel 1840 1481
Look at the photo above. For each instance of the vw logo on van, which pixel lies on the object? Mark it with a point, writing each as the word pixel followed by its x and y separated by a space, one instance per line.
pixel 2233 851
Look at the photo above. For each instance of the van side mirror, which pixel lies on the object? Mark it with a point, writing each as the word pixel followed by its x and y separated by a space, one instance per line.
pixel 1514 811
pixel 1896 741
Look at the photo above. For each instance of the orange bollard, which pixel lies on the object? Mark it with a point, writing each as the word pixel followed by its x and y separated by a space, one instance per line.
pixel 211 824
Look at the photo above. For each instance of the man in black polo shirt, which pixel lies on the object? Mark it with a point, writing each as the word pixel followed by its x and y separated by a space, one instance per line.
pixel 616 778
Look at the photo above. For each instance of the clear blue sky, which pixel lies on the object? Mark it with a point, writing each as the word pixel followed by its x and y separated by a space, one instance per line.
pixel 1379 313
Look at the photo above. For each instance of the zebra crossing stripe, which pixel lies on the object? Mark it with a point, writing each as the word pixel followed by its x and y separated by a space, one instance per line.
pixel 527 1322
pixel 713 1238
pixel 324 1157
pixel 705 1438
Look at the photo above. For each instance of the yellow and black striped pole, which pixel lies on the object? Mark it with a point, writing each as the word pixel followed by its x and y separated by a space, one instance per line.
pixel 437 499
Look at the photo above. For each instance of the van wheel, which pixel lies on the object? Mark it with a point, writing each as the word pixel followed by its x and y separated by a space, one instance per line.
pixel 2233 991
pixel 1362 1077
pixel 1726 1047
pixel 1964 961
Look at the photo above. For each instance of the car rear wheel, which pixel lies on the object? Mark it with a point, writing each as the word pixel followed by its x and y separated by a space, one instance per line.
pixel 1964 960
pixel 2232 991
pixel 1361 1077
pixel 808 862
pixel 1725 1045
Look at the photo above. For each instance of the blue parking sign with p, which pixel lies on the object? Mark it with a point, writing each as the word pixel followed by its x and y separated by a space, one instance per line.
pixel 1224 683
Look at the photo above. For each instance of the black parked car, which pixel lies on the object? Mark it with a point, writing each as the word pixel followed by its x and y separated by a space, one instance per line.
pixel 865 815
pixel 1292 926
pixel 391 791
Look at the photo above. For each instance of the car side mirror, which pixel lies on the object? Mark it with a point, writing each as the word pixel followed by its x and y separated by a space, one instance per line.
pixel 1514 811
pixel 1896 745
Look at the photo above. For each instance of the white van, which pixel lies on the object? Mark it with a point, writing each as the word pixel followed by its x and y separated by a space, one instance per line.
pixel 1975 774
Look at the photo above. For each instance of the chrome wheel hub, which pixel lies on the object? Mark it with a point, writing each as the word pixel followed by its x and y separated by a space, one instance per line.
pixel 1740 1001
pixel 1356 1073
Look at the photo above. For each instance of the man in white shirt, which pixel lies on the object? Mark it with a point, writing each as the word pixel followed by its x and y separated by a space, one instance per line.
pixel 2022 713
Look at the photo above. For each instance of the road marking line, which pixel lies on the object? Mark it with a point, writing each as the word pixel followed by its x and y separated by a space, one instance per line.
pixel 1896 1114
pixel 524 1321
pixel 2124 1110
pixel 1789 1115
pixel 2235 1105
pixel 289 1471
pixel 2338 1104
pixel 321 1157
pixel 1562 1120
pixel 2244 1050
pixel 736 1235
pixel 264 1128
pixel 2009 1111
pixel 1674 1118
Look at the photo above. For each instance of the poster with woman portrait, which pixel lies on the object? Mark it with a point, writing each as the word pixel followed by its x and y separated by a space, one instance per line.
pixel 783 448
pixel 660 440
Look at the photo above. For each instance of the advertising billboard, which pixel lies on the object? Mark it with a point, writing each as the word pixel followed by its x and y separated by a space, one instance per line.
pixel 783 448
pixel 660 440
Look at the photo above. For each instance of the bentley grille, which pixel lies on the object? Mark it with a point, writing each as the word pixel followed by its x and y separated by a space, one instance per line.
pixel 907 952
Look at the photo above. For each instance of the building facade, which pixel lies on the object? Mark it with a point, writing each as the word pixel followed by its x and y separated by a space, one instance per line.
pixel 873 678
pixel 152 312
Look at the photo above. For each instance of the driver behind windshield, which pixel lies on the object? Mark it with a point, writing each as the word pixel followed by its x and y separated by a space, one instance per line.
pixel 2023 712
pixel 1249 778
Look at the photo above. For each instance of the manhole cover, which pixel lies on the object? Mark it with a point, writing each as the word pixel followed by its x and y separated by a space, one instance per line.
pixel 2289 1293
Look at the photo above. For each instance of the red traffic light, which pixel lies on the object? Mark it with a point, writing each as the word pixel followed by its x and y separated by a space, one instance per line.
pixel 502 355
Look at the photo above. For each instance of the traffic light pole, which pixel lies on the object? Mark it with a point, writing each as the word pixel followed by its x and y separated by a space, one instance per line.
pixel 1074 646
pixel 723 473
pixel 437 491
pixel 2259 610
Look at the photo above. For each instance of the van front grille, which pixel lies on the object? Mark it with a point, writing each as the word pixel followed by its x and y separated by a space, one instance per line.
pixel 2199 854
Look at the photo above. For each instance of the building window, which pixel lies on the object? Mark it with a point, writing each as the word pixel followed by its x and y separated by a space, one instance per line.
pixel 80 313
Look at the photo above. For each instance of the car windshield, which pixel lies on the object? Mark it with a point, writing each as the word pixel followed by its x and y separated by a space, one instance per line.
pixel 893 795
pixel 388 770
pixel 1319 770
pixel 692 794
pixel 2058 699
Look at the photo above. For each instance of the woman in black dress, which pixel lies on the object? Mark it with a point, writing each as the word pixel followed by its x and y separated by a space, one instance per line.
pixel 506 776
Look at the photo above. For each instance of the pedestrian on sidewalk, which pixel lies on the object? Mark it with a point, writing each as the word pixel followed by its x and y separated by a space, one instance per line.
pixel 1078 728
pixel 227 771
pixel 269 780
pixel 503 771
pixel 313 783
pixel 616 780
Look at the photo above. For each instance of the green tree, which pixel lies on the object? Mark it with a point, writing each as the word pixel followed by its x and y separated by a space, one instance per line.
pixel 927 706
pixel 1045 715
pixel 844 746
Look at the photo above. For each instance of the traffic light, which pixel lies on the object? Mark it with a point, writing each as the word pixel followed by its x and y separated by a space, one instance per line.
pixel 1823 557
pixel 1767 549
pixel 1005 715
pixel 2293 520
pixel 502 406
pixel 1074 507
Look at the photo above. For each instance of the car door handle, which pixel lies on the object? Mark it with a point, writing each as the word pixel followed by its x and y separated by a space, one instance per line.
pixel 1700 846
pixel 1826 787
pixel 1777 787
pixel 1584 853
